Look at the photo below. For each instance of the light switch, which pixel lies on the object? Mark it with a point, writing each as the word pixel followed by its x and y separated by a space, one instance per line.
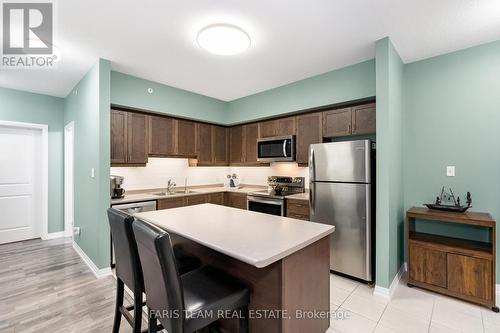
pixel 450 171
pixel 92 173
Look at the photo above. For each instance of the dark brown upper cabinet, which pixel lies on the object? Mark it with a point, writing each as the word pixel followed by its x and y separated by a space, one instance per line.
pixel 118 137
pixel 237 145
pixel 220 145
pixel 285 126
pixel 357 120
pixel 364 119
pixel 204 144
pixel 186 138
pixel 268 128
pixel 129 138
pixel 337 122
pixel 308 132
pixel 251 136
pixel 162 136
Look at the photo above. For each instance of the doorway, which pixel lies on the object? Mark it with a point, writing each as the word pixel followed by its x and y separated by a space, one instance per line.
pixel 69 184
pixel 23 181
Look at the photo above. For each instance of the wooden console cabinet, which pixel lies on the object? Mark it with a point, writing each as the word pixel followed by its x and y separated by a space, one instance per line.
pixel 456 267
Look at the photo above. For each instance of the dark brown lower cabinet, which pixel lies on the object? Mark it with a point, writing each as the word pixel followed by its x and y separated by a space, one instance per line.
pixel 171 203
pixel 196 199
pixel 297 209
pixel 455 267
pixel 216 198
pixel 236 200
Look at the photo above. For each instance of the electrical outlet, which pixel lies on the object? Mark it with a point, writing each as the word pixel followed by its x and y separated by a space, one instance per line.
pixel 92 173
pixel 76 231
pixel 450 171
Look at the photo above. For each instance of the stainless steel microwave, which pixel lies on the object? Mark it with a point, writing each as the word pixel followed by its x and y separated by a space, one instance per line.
pixel 276 149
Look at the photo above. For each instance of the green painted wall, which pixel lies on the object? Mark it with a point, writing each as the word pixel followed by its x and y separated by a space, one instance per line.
pixel 130 91
pixel 27 107
pixel 389 229
pixel 452 117
pixel 338 86
pixel 88 106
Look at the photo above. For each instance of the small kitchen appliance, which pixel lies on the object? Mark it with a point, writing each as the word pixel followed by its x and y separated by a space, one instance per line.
pixel 116 187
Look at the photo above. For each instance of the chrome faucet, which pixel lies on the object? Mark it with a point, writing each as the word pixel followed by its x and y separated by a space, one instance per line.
pixel 170 185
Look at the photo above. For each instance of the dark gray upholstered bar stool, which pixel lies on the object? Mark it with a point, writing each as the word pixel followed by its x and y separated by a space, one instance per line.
pixel 129 271
pixel 205 290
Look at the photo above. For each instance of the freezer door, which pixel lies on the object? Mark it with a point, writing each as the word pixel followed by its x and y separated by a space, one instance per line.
pixel 347 161
pixel 347 207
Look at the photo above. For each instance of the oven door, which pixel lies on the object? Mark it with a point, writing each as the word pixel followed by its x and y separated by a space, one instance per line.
pixel 266 205
pixel 276 149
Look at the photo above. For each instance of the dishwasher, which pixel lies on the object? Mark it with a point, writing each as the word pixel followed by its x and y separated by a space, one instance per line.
pixel 130 208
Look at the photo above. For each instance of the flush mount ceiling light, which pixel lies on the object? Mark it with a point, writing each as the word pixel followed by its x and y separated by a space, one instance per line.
pixel 223 39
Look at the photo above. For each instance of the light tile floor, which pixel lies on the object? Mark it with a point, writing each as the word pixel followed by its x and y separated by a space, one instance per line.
pixel 410 310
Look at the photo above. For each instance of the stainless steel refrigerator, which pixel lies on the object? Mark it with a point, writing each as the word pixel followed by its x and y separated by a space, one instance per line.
pixel 341 175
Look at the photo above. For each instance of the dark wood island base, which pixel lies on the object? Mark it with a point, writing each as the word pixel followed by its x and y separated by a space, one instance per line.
pixel 298 282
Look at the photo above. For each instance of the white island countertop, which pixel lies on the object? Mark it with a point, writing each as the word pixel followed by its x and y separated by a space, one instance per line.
pixel 255 238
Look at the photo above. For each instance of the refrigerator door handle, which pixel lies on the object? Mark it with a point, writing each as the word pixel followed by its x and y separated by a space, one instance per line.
pixel 368 221
pixel 311 164
pixel 311 199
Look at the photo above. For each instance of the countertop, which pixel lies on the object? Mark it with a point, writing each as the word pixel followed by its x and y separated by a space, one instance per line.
pixel 299 196
pixel 146 195
pixel 255 238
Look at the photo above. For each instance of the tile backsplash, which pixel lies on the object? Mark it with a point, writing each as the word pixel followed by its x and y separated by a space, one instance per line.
pixel 158 170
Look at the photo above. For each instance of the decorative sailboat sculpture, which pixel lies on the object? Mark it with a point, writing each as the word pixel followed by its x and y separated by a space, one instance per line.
pixel 447 202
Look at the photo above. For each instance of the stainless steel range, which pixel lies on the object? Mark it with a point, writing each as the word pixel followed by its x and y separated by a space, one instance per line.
pixel 272 200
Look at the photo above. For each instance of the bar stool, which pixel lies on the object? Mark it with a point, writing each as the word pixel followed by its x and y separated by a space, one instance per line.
pixel 129 271
pixel 184 300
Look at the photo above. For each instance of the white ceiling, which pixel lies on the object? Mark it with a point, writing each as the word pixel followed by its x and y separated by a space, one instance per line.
pixel 291 39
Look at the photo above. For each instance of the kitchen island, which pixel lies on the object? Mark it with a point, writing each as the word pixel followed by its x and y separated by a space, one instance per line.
pixel 284 261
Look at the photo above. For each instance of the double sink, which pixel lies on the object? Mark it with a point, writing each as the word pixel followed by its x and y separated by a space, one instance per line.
pixel 174 193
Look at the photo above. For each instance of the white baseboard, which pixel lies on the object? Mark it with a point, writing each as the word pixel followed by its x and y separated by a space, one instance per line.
pixel 388 292
pixel 99 273
pixel 54 235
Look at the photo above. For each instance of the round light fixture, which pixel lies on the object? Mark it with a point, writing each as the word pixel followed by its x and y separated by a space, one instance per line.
pixel 223 39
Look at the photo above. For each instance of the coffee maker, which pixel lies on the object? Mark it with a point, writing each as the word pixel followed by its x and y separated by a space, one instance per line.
pixel 116 187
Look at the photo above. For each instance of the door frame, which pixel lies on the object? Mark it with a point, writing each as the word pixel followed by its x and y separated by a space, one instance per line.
pixel 45 169
pixel 69 179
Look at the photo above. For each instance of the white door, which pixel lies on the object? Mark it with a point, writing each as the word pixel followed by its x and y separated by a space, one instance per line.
pixel 20 183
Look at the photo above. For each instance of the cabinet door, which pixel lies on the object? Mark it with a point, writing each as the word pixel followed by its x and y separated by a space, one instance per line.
pixel 251 136
pixel 204 144
pixel 220 145
pixel 171 203
pixel 216 198
pixel 197 199
pixel 286 126
pixel 268 128
pixel 161 136
pixel 427 265
pixel 236 142
pixel 470 276
pixel 236 200
pixel 337 122
pixel 363 119
pixel 137 138
pixel 118 136
pixel 186 138
pixel 308 132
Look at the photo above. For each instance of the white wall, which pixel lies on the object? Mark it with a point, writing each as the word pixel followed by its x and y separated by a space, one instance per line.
pixel 159 170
